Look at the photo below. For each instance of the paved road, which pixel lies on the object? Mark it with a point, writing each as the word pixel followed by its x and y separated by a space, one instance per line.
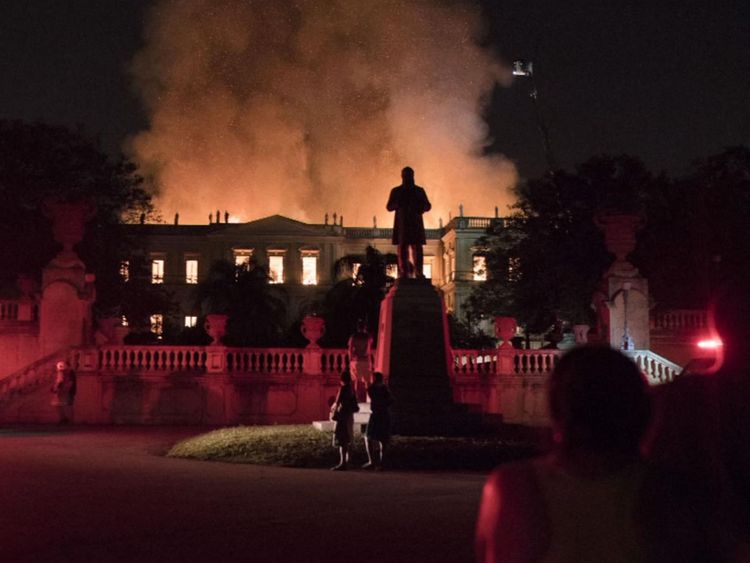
pixel 107 494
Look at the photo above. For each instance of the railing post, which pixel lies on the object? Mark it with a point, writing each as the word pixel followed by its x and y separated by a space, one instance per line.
pixel 311 363
pixel 26 310
pixel 216 359
pixel 505 361
pixel 88 359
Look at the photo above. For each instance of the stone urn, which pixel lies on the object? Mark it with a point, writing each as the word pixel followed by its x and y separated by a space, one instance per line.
pixel 505 330
pixel 216 327
pixel 26 286
pixel 619 237
pixel 581 333
pixel 68 222
pixel 313 328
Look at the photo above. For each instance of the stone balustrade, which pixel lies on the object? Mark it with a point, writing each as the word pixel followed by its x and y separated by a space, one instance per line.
pixel 155 359
pixel 264 360
pixel 679 320
pixel 658 370
pixel 18 310
pixel 504 362
pixel 144 359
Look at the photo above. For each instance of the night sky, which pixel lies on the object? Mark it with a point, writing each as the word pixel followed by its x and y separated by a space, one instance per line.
pixel 669 82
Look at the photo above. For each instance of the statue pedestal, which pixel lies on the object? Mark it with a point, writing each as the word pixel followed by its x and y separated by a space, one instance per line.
pixel 413 354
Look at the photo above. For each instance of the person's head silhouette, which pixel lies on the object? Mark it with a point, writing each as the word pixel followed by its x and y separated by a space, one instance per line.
pixel 599 402
pixel 407 176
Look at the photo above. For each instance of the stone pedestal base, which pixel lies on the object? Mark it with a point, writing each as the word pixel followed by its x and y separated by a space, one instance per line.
pixel 629 305
pixel 413 353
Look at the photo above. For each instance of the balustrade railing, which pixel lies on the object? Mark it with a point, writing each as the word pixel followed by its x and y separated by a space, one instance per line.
pixel 15 310
pixel 147 359
pixel 265 360
pixel 474 361
pixel 519 362
pixel 679 320
pixel 657 369
pixel 334 360
pixel 8 310
pixel 535 362
pixel 122 359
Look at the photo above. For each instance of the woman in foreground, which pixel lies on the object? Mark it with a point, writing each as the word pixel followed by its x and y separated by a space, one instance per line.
pixel 594 498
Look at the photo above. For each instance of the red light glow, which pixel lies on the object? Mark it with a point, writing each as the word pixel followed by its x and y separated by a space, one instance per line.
pixel 710 344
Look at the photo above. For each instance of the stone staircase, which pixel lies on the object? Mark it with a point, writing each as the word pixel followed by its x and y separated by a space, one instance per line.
pixel 25 394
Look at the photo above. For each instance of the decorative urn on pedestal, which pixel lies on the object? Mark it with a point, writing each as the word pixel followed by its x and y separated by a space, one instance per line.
pixel 619 237
pixel 313 328
pixel 505 330
pixel 216 327
pixel 68 223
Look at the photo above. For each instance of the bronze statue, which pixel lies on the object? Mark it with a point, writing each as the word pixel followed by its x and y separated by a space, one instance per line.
pixel 409 201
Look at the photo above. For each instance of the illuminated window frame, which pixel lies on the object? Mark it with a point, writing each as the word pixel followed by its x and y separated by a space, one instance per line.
pixel 427 267
pixel 191 321
pixel 310 259
pixel 479 267
pixel 276 259
pixel 242 256
pixel 157 270
pixel 157 324
pixel 191 270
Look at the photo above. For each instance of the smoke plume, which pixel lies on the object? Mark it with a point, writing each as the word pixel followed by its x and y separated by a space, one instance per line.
pixel 301 107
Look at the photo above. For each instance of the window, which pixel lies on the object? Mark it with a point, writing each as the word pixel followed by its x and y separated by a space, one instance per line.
pixel 191 321
pixel 309 267
pixel 427 270
pixel 355 269
pixel 480 268
pixel 124 321
pixel 243 256
pixel 157 325
pixel 191 271
pixel 391 270
pixel 157 271
pixel 276 268
pixel 125 270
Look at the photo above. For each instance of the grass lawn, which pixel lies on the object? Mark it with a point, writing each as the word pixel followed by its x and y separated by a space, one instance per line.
pixel 304 446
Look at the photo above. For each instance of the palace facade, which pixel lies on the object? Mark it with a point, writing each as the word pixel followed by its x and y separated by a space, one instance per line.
pixel 301 256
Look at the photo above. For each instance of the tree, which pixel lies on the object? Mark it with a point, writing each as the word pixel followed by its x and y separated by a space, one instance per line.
pixel 39 161
pixel 546 260
pixel 138 299
pixel 256 309
pixel 357 295
pixel 696 234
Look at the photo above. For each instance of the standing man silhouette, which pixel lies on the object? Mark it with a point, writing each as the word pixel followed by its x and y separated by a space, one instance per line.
pixel 409 201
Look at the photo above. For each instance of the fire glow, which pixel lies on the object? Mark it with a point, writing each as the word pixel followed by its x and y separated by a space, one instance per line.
pixel 307 108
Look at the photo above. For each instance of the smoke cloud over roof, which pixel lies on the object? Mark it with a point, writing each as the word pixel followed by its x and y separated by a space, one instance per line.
pixel 312 106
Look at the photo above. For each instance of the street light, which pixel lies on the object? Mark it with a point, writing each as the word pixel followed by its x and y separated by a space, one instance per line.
pixel 525 69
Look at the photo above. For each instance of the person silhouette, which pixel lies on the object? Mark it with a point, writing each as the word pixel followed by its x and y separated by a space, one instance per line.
pixel 702 420
pixel 378 431
pixel 342 412
pixel 409 201
pixel 594 498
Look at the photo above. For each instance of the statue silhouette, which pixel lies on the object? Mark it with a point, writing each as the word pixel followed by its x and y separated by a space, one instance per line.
pixel 409 201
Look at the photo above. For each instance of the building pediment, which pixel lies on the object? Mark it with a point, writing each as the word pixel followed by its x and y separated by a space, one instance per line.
pixel 278 224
